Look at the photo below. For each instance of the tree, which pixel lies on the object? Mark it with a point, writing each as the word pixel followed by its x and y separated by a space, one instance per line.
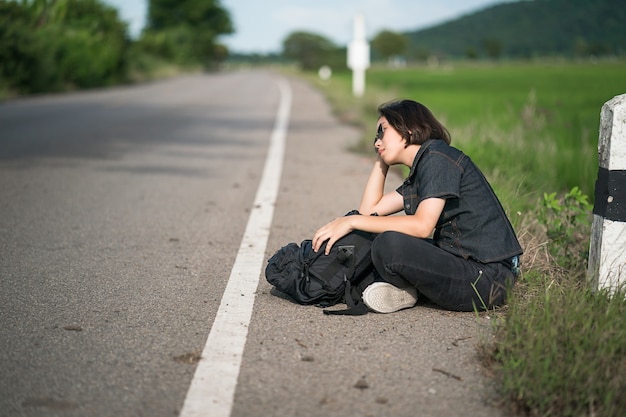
pixel 20 49
pixel 186 31
pixel 46 45
pixel 390 44
pixel 471 53
pixel 493 47
pixel 312 51
pixel 91 42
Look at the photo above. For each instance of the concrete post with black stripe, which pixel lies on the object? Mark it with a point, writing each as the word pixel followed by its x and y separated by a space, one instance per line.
pixel 607 251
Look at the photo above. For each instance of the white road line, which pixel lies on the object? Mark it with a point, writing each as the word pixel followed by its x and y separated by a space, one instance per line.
pixel 212 388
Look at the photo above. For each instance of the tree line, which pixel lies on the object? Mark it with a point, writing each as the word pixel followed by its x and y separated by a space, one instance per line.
pixel 522 29
pixel 311 50
pixel 56 45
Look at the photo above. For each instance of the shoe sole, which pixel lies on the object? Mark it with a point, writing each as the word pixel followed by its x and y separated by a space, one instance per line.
pixel 383 297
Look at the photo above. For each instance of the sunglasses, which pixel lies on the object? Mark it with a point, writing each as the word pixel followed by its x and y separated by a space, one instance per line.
pixel 380 133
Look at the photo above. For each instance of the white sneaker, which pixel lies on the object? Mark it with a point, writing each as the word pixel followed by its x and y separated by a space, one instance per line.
pixel 383 297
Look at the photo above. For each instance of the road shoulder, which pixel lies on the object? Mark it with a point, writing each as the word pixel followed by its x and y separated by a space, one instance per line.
pixel 299 362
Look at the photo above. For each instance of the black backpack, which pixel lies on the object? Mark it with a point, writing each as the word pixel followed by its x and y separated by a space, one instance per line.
pixel 313 278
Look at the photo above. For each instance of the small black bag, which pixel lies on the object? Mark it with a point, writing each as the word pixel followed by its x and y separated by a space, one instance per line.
pixel 313 278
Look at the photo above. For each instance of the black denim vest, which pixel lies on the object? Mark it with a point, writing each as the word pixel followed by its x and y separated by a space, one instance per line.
pixel 473 223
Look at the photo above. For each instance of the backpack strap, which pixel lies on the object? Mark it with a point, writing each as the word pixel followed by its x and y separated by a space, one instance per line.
pixel 354 301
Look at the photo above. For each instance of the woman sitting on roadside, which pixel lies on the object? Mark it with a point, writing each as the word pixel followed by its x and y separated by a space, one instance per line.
pixel 455 246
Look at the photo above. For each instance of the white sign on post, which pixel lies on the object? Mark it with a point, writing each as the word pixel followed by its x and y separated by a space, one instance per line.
pixel 358 56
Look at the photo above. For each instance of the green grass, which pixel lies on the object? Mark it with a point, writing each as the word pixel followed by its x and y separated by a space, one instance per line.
pixel 562 351
pixel 560 348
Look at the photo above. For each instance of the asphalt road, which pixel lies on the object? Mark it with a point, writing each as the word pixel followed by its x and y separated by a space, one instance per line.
pixel 121 215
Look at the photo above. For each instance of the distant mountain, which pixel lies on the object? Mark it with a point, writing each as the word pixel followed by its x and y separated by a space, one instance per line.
pixel 527 29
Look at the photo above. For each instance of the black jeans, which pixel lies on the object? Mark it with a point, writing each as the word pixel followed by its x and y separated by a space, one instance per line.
pixel 450 281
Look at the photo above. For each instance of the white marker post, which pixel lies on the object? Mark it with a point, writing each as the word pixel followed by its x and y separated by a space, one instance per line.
pixel 358 56
pixel 607 252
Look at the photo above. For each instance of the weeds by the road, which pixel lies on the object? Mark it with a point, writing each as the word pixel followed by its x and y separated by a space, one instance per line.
pixel 560 347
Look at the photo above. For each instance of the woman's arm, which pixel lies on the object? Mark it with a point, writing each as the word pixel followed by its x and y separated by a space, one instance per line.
pixel 374 199
pixel 420 225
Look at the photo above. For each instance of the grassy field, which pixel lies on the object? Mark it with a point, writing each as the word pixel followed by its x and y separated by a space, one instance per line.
pixel 533 124
pixel 560 347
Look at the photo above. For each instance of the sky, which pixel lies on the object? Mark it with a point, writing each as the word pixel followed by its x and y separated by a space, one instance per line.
pixel 262 25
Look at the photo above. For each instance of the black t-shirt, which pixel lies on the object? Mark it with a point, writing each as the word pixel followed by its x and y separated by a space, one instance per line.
pixel 473 223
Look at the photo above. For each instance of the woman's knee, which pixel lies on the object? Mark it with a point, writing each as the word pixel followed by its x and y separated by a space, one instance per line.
pixel 387 250
pixel 384 246
pixel 396 242
pixel 396 248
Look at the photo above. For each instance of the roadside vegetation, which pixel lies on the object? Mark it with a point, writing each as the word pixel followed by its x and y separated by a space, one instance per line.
pixel 64 45
pixel 559 347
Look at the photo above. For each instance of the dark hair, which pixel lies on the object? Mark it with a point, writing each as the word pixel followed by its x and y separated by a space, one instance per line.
pixel 413 121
